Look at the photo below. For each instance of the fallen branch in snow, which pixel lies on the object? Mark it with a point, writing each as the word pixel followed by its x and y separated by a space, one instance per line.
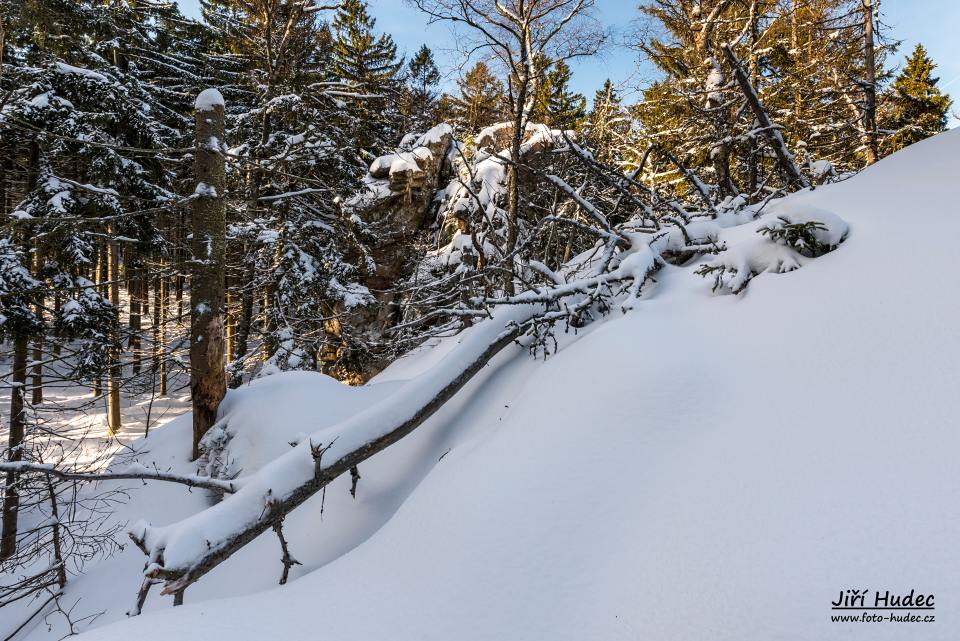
pixel 132 473
pixel 182 553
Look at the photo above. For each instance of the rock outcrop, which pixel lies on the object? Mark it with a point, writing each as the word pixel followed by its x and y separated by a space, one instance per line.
pixel 396 210
pixel 396 200
pixel 391 211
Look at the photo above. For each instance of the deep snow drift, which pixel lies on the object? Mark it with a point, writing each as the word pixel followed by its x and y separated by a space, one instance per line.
pixel 703 467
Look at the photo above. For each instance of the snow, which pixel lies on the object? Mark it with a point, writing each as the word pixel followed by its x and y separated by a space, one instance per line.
pixel 435 135
pixel 208 100
pixel 702 467
pixel 64 68
pixel 204 190
pixel 714 83
pixel 821 169
pixel 749 253
pixel 488 135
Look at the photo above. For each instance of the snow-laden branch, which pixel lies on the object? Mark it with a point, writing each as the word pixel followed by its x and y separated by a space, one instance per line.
pixel 131 472
pixel 183 552
pixel 587 207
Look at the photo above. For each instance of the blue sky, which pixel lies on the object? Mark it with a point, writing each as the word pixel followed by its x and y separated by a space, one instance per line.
pixel 932 22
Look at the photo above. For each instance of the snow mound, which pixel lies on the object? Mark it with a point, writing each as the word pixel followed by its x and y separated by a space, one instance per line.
pixel 776 243
pixel 702 467
pixel 208 100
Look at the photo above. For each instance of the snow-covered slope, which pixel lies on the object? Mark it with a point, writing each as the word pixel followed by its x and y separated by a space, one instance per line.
pixel 703 467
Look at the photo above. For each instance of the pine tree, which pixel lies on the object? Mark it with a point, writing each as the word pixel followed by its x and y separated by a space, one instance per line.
pixel 689 111
pixel 368 64
pixel 480 102
pixel 419 100
pixel 808 61
pixel 914 108
pixel 608 125
pixel 565 109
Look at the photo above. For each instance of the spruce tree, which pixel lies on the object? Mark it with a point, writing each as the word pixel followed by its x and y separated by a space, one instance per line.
pixel 294 129
pixel 419 100
pixel 481 100
pixel 608 125
pixel 914 108
pixel 565 109
pixel 368 64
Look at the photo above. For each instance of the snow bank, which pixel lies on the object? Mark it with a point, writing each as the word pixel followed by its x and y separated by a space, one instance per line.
pixel 704 467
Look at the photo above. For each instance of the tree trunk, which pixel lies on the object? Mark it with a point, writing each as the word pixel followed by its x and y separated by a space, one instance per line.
pixel 57 339
pixel 754 158
pixel 134 290
pixel 246 312
pixel 231 318
pixel 144 291
pixel 103 270
pixel 513 175
pixel 179 258
pixel 268 344
pixel 36 368
pixel 870 86
pixel 159 333
pixel 207 376
pixel 11 496
pixel 114 366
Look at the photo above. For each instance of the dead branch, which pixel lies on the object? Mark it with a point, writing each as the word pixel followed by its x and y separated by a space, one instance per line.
pixel 287 560
pixel 354 478
pixel 141 475
pixel 772 132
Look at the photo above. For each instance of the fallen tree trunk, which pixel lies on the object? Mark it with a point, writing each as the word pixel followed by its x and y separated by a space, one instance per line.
pixel 183 552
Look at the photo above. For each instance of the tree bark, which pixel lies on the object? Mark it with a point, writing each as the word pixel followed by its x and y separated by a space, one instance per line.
pixel 159 329
pixel 513 175
pixel 181 267
pixel 231 322
pixel 207 375
pixel 36 382
pixel 134 290
pixel 103 270
pixel 241 340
